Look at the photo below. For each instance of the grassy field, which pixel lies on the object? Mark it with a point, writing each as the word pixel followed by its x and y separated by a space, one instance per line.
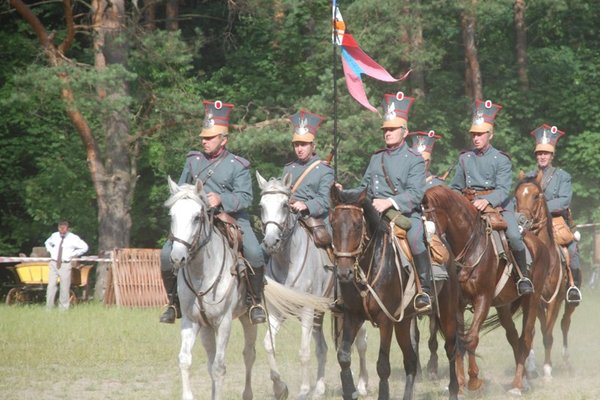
pixel 96 352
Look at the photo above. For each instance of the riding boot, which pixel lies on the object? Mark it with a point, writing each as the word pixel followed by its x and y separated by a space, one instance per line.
pixel 422 301
pixel 524 284
pixel 172 309
pixel 254 296
pixel 573 293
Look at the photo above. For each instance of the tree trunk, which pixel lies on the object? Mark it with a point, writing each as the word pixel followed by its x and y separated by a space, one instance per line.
pixel 114 178
pixel 150 14
pixel 473 86
pixel 416 44
pixel 112 175
pixel 172 13
pixel 521 45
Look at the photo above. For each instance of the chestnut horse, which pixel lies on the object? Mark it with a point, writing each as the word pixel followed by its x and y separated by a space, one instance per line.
pixel 531 204
pixel 374 287
pixel 468 237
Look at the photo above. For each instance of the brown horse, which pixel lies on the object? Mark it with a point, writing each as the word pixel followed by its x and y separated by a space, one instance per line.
pixel 374 287
pixel 468 237
pixel 531 204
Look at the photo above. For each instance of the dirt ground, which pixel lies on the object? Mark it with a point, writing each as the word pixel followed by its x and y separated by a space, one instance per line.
pixel 151 370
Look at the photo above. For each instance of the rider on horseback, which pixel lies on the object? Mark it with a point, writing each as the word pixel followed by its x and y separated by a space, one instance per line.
pixel 311 177
pixel 485 173
pixel 227 181
pixel 395 179
pixel 556 184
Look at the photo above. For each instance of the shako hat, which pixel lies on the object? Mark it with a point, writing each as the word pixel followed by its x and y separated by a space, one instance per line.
pixel 423 142
pixel 546 137
pixel 396 108
pixel 305 125
pixel 484 116
pixel 216 118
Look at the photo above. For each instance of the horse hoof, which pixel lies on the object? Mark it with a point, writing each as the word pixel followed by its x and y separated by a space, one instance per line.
pixel 474 384
pixel 280 390
pixel 361 388
pixel 515 392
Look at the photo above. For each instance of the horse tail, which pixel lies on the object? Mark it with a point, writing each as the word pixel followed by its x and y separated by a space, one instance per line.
pixel 290 303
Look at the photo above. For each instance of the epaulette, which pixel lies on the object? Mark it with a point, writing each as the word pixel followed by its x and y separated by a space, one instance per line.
pixel 506 154
pixel 245 163
pixel 463 151
pixel 290 163
pixel 194 153
pixel 380 150
pixel 414 151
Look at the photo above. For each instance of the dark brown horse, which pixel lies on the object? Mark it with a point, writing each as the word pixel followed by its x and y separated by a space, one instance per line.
pixel 374 288
pixel 467 235
pixel 531 203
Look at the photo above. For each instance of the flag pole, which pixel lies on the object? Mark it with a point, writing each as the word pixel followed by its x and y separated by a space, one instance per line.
pixel 335 128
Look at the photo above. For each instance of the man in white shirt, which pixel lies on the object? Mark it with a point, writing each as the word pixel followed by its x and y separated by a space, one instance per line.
pixel 62 246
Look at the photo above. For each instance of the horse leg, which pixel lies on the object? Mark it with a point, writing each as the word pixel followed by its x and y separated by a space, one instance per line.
pixel 361 347
pixel 529 306
pixel 383 361
pixel 249 352
pixel 549 318
pixel 321 354
pixel 402 330
pixel 415 337
pixel 351 325
pixel 565 324
pixel 222 334
pixel 307 320
pixel 481 307
pixel 432 364
pixel 280 389
pixel 189 331
pixel 448 323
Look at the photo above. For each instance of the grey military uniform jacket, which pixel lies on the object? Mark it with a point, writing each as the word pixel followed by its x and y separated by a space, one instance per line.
pixel 314 188
pixel 432 180
pixel 487 170
pixel 406 171
pixel 227 175
pixel 556 184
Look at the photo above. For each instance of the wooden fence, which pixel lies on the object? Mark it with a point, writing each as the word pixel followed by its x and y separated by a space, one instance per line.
pixel 134 279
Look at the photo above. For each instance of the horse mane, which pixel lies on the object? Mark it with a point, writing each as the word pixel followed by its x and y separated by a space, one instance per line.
pixel 277 185
pixel 187 191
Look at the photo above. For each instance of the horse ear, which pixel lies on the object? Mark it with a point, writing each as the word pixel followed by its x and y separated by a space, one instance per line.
pixel 334 195
pixel 539 176
pixel 261 181
pixel 287 179
pixel 173 187
pixel 199 186
pixel 521 175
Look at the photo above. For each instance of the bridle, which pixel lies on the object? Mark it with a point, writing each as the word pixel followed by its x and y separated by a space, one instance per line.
pixel 197 243
pixel 526 217
pixel 287 227
pixel 359 249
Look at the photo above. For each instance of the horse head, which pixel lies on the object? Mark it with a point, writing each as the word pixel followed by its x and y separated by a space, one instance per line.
pixel 530 203
pixel 349 229
pixel 276 216
pixel 189 219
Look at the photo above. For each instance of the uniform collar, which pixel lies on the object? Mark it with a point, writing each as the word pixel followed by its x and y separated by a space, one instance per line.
pixel 216 155
pixel 481 152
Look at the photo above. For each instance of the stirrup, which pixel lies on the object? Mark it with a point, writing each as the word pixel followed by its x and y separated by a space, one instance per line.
pixel 574 295
pixel 528 290
pixel 257 314
pixel 424 308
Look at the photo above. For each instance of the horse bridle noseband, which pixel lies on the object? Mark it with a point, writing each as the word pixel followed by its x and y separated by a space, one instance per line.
pixel 196 243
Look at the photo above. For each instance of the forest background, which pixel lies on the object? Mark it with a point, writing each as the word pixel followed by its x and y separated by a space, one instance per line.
pixel 100 101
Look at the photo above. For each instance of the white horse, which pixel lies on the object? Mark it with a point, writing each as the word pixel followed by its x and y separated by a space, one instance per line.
pixel 296 262
pixel 210 291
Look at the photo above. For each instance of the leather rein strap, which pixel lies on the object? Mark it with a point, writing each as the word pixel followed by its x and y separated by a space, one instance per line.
pixel 306 172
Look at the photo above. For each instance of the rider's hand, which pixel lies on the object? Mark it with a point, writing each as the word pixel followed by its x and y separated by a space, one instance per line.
pixel 480 204
pixel 338 186
pixel 298 206
pixel 214 200
pixel 382 204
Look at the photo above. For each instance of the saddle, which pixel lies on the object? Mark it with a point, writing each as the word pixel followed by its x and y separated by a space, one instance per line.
pixel 317 229
pixel 491 214
pixel 229 227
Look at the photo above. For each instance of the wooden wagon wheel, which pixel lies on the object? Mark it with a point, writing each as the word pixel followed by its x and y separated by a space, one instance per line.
pixel 16 296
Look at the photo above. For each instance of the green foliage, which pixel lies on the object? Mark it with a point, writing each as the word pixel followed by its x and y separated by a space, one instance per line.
pixel 269 66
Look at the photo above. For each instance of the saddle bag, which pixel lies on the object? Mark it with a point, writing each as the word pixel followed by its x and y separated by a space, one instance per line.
pixel 562 233
pixel 439 252
pixel 495 218
pixel 395 216
pixel 317 228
